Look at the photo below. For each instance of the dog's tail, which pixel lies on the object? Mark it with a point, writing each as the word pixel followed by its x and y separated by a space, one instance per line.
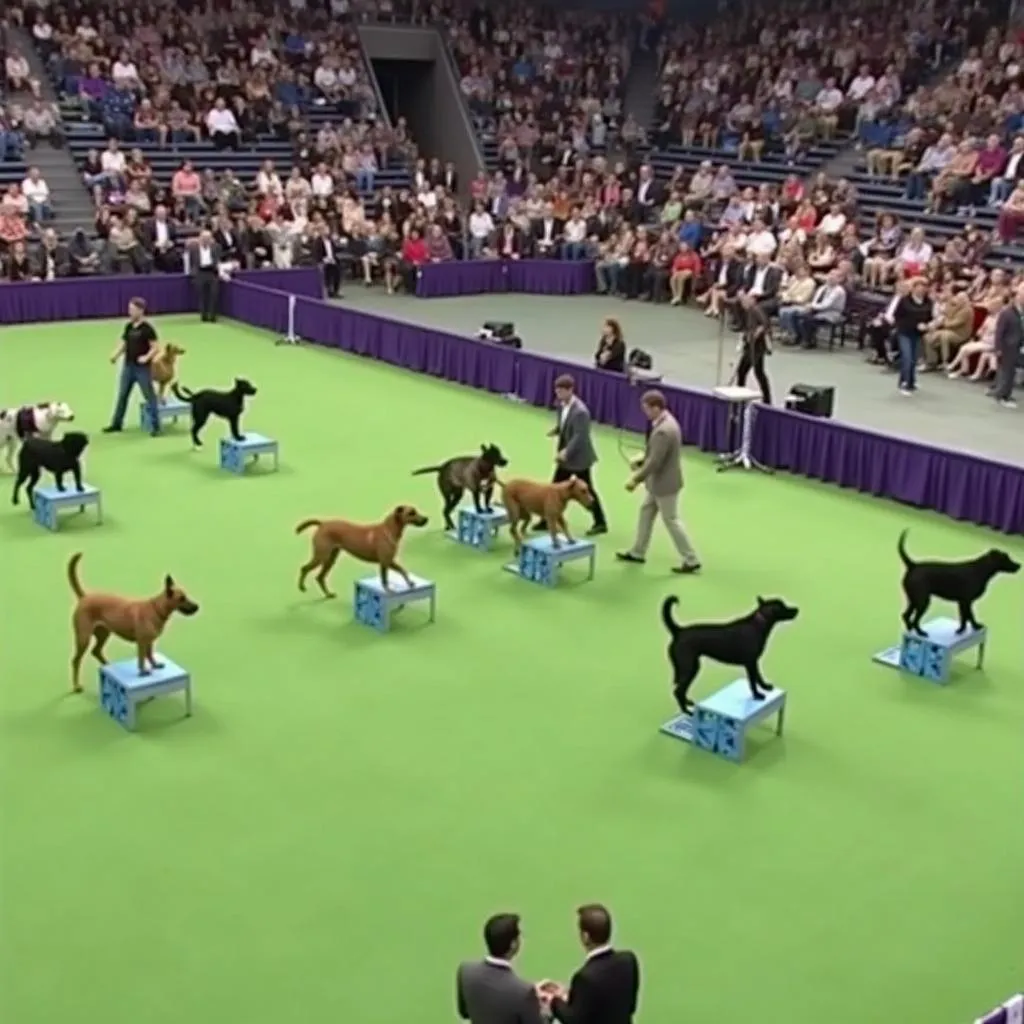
pixel 76 583
pixel 425 470
pixel 182 393
pixel 901 547
pixel 666 614
pixel 307 524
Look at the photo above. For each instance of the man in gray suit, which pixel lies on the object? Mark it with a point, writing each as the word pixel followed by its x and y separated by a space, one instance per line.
pixel 489 991
pixel 576 455
pixel 661 472
pixel 1009 336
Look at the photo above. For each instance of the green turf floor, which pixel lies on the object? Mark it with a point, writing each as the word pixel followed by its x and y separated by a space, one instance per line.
pixel 324 838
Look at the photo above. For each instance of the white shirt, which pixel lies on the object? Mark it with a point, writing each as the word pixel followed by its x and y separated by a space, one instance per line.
pixel 260 56
pixel 860 87
pixel 42 30
pixel 124 71
pixel 322 184
pixel 757 286
pixel 112 161
pixel 268 183
pixel 762 243
pixel 325 77
pixel 829 298
pixel 829 99
pixel 832 223
pixel 205 255
pixel 347 77
pixel 221 121
pixel 890 310
pixel 35 191
pixel 575 230
pixel 563 413
pixel 1011 166
pixel 549 231
pixel 163 233
pixel 328 249
pixel 918 255
pixel 480 225
pixel 599 951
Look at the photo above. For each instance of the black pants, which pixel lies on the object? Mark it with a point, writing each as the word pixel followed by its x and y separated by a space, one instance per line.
pixel 753 359
pixel 881 341
pixel 208 284
pixel 332 278
pixel 1005 374
pixel 561 473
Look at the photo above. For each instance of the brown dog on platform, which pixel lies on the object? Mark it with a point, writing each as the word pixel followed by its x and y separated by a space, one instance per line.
pixel 164 368
pixel 369 542
pixel 525 499
pixel 139 621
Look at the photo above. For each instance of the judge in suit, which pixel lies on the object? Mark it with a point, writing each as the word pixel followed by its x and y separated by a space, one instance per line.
pixel 1009 339
pixel 204 262
pixel 606 988
pixel 489 991
pixel 160 240
pixel 576 455
pixel 226 236
pixel 547 235
pixel 325 254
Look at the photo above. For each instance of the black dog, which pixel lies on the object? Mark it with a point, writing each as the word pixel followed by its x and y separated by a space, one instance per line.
pixel 57 457
pixel 963 583
pixel 740 642
pixel 228 405
pixel 474 473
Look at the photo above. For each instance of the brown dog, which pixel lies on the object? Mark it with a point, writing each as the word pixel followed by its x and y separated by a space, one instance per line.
pixel 524 499
pixel 140 622
pixel 164 368
pixel 369 542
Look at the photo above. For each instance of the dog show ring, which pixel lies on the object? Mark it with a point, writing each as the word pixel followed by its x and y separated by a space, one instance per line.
pixel 166 412
pixel 931 657
pixel 122 689
pixel 374 605
pixel 479 529
pixel 742 402
pixel 541 562
pixel 235 456
pixel 720 723
pixel 48 502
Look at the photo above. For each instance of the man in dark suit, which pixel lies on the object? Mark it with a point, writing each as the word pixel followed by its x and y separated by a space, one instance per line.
pixel 576 455
pixel 50 260
pixel 547 235
pixel 204 262
pixel 762 280
pixel 606 989
pixel 325 254
pixel 648 191
pixel 489 991
pixel 226 236
pixel 1009 337
pixel 160 240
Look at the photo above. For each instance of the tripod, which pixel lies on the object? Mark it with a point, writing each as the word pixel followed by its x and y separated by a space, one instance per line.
pixel 742 402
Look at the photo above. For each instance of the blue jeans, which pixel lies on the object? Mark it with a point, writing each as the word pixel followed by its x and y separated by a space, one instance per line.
pixel 365 180
pixel 132 374
pixel 574 251
pixel 909 344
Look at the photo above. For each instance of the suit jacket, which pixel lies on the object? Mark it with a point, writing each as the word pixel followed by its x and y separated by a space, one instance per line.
pixel 574 436
pixel 771 284
pixel 193 250
pixel 257 245
pixel 318 250
pixel 492 993
pixel 661 471
pixel 733 275
pixel 230 244
pixel 509 244
pixel 651 195
pixel 605 990
pixel 1009 334
pixel 149 234
pixel 61 262
pixel 556 230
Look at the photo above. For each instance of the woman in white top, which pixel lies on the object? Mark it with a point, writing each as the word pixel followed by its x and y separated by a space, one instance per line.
pixel 17 70
pixel 911 260
pixel 481 227
pixel 222 126
pixel 267 181
pixel 296 188
pixel 575 234
pixel 983 346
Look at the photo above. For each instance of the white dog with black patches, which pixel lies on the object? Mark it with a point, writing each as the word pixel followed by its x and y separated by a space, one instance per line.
pixel 30 421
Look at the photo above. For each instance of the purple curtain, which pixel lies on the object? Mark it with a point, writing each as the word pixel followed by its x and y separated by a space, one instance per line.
pixel 482 277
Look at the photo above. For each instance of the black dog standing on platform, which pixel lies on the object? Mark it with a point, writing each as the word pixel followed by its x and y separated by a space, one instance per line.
pixel 473 473
pixel 58 457
pixel 963 583
pixel 740 642
pixel 228 405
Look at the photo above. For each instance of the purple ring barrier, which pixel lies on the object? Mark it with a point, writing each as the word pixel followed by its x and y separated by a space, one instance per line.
pixel 100 297
pixel 979 491
pixel 481 277
pixel 1011 1012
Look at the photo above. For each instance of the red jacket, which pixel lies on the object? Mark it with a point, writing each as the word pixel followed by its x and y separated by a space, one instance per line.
pixel 414 250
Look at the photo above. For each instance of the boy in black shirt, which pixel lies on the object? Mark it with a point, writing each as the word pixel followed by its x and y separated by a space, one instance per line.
pixel 138 347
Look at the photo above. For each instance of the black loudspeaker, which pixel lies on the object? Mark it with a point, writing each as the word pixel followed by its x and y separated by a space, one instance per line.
pixel 811 400
pixel 501 332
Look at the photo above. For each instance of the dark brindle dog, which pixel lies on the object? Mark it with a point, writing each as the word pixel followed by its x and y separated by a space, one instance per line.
pixel 740 642
pixel 963 583
pixel 228 405
pixel 473 473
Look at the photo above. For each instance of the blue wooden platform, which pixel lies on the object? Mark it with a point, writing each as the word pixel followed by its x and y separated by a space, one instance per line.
pixel 122 689
pixel 374 606
pixel 931 657
pixel 540 562
pixel 166 412
pixel 478 529
pixel 48 503
pixel 236 456
pixel 720 723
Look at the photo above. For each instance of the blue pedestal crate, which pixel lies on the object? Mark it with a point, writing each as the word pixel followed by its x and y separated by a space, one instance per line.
pixel 720 723
pixel 931 657
pixel 166 412
pixel 479 529
pixel 49 502
pixel 540 562
pixel 235 456
pixel 122 689
pixel 374 605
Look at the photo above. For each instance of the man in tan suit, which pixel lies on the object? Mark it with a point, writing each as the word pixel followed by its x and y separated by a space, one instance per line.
pixel 661 472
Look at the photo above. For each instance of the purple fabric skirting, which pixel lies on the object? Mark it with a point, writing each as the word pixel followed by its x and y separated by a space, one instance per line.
pixel 100 297
pixel 480 277
pixel 975 490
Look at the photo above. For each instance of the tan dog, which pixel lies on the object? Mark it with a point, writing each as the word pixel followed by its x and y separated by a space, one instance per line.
pixel 164 368
pixel 524 499
pixel 140 622
pixel 369 542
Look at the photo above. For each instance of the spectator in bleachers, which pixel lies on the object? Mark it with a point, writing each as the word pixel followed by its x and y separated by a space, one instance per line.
pixel 50 259
pixel 12 139
pixel 19 265
pixel 37 196
pixel 42 124
pixel 17 72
